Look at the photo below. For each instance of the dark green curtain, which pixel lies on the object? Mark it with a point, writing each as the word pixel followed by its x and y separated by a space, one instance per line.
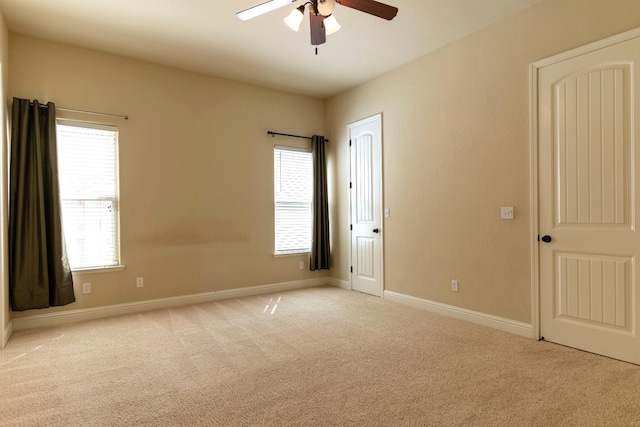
pixel 320 234
pixel 39 272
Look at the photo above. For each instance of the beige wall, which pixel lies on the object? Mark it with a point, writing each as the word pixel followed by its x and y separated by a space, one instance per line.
pixel 196 168
pixel 5 314
pixel 456 149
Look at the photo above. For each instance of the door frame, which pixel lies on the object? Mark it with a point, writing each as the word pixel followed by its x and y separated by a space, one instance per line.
pixel 351 125
pixel 533 156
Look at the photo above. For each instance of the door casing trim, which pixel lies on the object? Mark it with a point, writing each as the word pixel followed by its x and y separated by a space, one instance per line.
pixel 533 158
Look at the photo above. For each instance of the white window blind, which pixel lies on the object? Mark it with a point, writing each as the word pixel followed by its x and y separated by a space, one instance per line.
pixel 88 174
pixel 293 189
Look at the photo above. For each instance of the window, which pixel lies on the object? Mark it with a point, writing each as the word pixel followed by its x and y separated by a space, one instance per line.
pixel 88 169
pixel 293 187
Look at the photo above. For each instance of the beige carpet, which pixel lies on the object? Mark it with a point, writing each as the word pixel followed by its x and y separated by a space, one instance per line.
pixel 321 357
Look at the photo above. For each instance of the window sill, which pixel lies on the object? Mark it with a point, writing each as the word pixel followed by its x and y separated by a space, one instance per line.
pixel 94 270
pixel 289 254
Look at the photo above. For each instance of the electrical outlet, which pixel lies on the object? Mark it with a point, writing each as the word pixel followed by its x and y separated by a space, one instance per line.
pixel 86 288
pixel 454 285
pixel 139 282
pixel 301 265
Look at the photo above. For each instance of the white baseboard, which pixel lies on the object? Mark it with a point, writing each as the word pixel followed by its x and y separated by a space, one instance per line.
pixel 8 330
pixel 343 284
pixel 52 319
pixel 500 323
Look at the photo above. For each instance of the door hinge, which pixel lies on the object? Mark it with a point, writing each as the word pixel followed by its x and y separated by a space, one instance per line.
pixel 538 237
pixel 351 227
pixel 351 185
pixel 349 143
pixel 352 269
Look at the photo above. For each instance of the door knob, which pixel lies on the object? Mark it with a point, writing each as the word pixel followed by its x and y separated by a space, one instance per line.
pixel 546 238
pixel 376 230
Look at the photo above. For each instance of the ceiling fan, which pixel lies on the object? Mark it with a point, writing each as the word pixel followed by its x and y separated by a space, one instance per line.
pixel 321 17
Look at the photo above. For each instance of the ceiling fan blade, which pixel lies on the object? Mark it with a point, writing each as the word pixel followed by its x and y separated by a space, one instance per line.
pixel 371 7
pixel 261 9
pixel 318 33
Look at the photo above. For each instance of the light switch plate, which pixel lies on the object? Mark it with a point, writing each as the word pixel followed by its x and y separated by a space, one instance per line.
pixel 506 212
pixel 387 213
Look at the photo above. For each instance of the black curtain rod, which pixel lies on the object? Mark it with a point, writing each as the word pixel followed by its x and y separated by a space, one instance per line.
pixel 95 113
pixel 273 134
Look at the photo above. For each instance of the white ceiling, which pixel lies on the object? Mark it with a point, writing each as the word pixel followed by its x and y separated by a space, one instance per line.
pixel 206 37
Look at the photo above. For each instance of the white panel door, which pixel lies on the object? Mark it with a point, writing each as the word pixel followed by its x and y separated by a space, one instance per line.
pixel 588 108
pixel 366 205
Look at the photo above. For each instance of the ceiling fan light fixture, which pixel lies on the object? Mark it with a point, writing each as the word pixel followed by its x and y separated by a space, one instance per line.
pixel 325 7
pixel 331 25
pixel 294 19
pixel 321 20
